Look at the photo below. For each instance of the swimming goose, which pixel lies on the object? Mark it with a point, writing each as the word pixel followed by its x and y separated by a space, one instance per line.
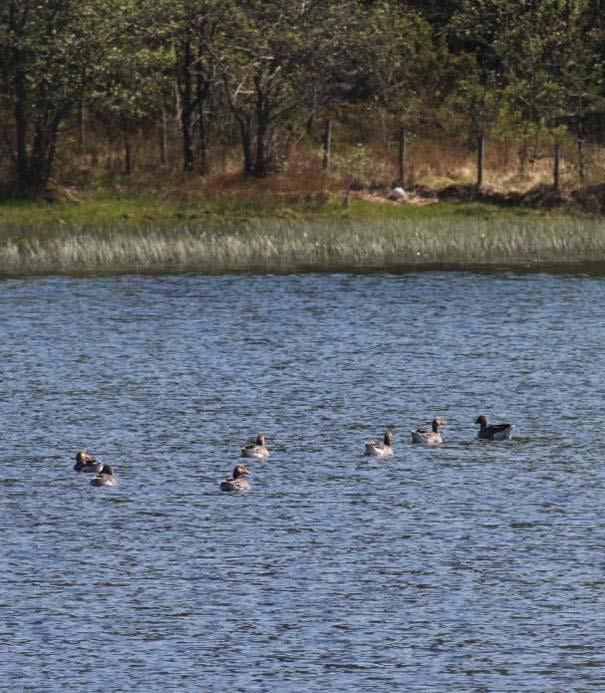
pixel 500 431
pixel 85 462
pixel 384 449
pixel 105 477
pixel 236 482
pixel 429 436
pixel 256 449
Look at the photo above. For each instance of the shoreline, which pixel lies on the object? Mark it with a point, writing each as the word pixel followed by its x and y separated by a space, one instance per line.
pixel 588 268
pixel 138 235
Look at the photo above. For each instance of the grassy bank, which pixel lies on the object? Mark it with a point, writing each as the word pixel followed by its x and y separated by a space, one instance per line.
pixel 115 234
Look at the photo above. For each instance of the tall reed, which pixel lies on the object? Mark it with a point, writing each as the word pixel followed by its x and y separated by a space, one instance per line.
pixel 291 245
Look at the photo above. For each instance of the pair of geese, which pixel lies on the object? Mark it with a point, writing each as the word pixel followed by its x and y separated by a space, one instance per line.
pixel 236 481
pixel 104 474
pixel 432 436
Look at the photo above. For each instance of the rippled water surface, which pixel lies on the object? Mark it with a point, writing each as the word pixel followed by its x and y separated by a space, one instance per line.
pixel 472 566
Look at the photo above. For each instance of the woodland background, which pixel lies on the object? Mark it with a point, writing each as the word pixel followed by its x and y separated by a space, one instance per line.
pixel 423 92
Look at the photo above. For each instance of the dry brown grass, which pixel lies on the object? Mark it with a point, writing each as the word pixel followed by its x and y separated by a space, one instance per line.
pixel 432 163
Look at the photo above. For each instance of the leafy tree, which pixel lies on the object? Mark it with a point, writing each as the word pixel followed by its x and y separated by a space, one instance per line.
pixel 437 12
pixel 269 54
pixel 405 68
pixel 475 100
pixel 133 83
pixel 539 55
pixel 580 72
pixel 49 51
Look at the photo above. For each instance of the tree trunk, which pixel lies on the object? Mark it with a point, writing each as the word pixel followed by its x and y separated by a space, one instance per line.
pixel 262 162
pixel 580 142
pixel 246 135
pixel 311 119
pixel 185 98
pixel 21 126
pixel 203 142
pixel 201 97
pixel 261 165
pixel 46 133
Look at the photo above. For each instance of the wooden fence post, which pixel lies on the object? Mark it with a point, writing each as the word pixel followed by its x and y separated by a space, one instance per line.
pixel 163 138
pixel 480 160
pixel 581 160
pixel 82 128
pixel 327 161
pixel 556 166
pixel 402 153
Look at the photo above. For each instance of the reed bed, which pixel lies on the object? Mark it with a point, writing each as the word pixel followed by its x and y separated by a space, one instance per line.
pixel 295 245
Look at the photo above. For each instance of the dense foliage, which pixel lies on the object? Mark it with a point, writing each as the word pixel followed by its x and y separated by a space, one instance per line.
pixel 263 72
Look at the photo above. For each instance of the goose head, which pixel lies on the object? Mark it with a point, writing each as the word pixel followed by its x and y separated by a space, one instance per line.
pixel 241 470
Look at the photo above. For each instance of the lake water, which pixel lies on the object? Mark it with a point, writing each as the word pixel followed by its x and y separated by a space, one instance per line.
pixel 473 566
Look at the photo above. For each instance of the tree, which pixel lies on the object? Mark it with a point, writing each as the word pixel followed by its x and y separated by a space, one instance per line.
pixel 402 64
pixel 133 83
pixel 541 55
pixel 269 54
pixel 49 52
pixel 193 25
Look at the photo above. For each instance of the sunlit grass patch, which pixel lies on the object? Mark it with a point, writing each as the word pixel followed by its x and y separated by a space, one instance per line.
pixel 282 245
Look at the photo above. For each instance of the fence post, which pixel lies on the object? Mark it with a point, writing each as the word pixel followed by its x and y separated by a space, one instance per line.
pixel 581 160
pixel 81 127
pixel 556 166
pixel 480 160
pixel 163 138
pixel 327 161
pixel 402 153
